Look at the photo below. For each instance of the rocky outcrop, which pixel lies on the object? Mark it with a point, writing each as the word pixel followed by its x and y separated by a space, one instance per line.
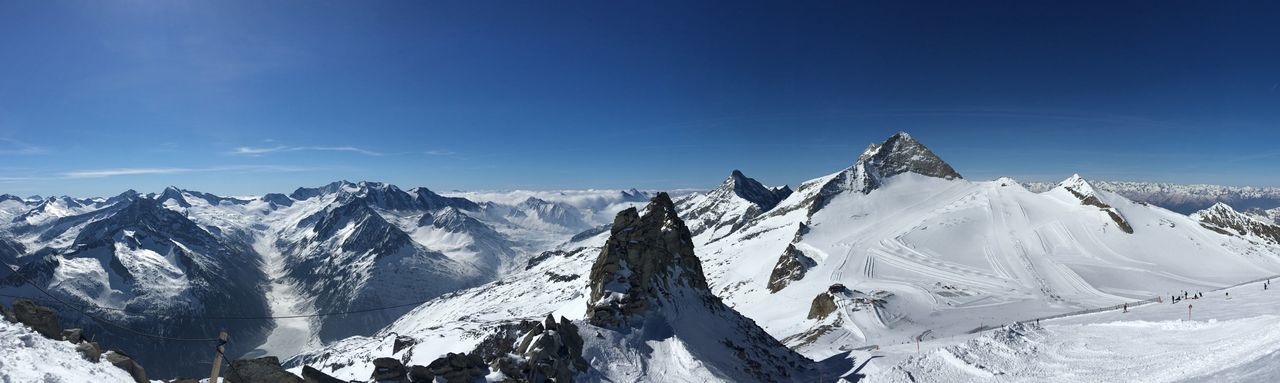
pixel 89 351
pixel 41 319
pixel 389 370
pixel 645 257
pixel 260 370
pixel 7 315
pixel 73 335
pixel 312 375
pixel 126 363
pixel 791 267
pixel 547 351
pixel 824 304
pixel 458 368
pixel 1222 218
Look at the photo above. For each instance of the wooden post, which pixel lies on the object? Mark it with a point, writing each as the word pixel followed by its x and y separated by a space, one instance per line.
pixel 217 358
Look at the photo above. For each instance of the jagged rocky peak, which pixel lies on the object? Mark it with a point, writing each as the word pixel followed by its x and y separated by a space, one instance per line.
pixel 647 256
pixel 899 154
pixel 753 191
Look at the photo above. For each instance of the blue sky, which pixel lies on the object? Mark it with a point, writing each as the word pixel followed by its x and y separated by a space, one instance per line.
pixel 250 97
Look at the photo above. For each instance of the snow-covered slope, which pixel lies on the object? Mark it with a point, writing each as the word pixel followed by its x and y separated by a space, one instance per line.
pixel 945 255
pixel 1224 340
pixel 25 356
pixel 894 247
pixel 649 316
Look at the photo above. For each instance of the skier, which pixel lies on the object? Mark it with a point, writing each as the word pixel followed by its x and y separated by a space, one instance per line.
pixel 1126 307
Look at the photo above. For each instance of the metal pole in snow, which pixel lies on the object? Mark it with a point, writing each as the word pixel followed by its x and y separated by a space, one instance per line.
pixel 1188 312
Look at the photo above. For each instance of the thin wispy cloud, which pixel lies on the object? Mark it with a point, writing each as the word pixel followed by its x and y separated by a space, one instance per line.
pixel 258 151
pixel 12 147
pixel 115 172
pixel 439 153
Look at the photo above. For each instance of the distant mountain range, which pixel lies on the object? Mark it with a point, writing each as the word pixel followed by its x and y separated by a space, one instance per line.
pixel 1187 199
pixel 895 245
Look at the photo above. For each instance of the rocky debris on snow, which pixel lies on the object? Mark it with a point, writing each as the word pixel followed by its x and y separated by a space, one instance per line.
pixel 261 370
pixel 458 368
pixel 42 319
pixel 89 351
pixel 402 342
pixel 312 375
pixel 645 257
pixel 824 304
pixel 547 351
pixel 126 363
pixel 73 335
pixel 791 267
pixel 389 370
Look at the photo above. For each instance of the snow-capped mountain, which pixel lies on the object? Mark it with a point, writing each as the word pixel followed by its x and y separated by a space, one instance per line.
pixel 726 208
pixel 339 247
pixel 1185 199
pixel 150 269
pixel 1223 219
pixel 893 247
pixel 644 312
pixel 838 265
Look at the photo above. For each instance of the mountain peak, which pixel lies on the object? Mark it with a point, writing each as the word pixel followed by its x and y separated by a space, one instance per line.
pixel 647 257
pixel 901 153
pixel 751 190
pixel 1079 187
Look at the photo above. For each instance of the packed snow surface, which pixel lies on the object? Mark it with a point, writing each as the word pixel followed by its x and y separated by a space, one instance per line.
pixel 25 356
pixel 1236 340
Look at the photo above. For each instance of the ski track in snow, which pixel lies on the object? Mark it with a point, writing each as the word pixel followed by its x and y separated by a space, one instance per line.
pixel 1225 340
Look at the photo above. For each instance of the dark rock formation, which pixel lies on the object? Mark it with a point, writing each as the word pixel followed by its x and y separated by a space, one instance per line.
pixel 458 368
pixel 420 374
pixel 1224 219
pixel 791 267
pixel 260 370
pixel 89 351
pixel 73 335
pixel 389 370
pixel 41 319
pixel 824 304
pixel 126 363
pixel 548 351
pixel 312 375
pixel 644 258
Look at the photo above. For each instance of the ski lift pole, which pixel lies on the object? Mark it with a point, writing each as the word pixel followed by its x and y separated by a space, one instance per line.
pixel 217 357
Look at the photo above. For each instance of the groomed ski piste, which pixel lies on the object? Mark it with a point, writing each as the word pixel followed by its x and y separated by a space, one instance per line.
pixel 1235 339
